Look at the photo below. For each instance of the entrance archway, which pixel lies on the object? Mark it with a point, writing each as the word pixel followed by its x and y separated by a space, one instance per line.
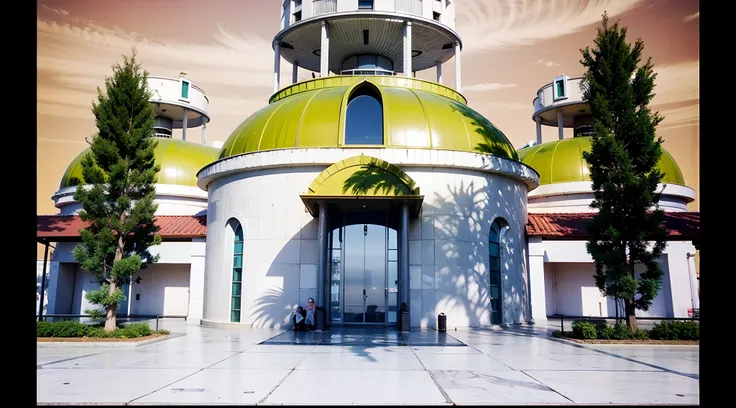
pixel 363 205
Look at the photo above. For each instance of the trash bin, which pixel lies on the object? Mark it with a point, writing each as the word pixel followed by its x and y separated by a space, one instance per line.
pixel 319 318
pixel 441 322
pixel 405 318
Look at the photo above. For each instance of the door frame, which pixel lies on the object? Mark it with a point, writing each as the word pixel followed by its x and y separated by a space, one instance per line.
pixel 386 227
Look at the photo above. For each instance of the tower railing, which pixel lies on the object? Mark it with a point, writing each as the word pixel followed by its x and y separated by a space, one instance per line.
pixel 408 6
pixel 324 7
pixel 320 7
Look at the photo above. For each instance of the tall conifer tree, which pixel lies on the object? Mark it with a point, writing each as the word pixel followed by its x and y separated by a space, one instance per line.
pixel 117 192
pixel 627 229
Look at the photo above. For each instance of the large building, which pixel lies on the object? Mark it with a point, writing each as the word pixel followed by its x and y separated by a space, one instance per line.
pixel 366 188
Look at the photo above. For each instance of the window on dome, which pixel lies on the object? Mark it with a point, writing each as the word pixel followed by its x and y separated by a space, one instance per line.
pixel 237 278
pixel 495 253
pixel 364 117
pixel 365 4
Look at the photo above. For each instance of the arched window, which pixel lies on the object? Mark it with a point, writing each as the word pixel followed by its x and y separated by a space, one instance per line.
pixel 364 117
pixel 494 254
pixel 237 288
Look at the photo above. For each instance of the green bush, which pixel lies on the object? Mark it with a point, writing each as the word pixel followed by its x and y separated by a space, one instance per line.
pixel 604 331
pixel 76 329
pixel 61 329
pixel 583 330
pixel 622 331
pixel 675 330
pixel 640 334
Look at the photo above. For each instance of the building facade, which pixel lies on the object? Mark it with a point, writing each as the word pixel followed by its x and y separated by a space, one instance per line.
pixel 366 189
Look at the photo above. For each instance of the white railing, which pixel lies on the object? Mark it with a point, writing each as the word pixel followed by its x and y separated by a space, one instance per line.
pixel 365 72
pixel 408 6
pixel 324 7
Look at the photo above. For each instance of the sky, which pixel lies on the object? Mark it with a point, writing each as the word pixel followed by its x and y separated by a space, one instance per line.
pixel 510 49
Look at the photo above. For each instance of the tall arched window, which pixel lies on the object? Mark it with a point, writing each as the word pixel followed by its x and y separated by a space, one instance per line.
pixel 237 288
pixel 495 251
pixel 364 117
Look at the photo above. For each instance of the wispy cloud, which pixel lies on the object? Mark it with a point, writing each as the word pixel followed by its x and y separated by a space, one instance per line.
pixel 62 141
pixel 493 86
pixel 678 94
pixel 60 12
pixel 76 56
pixel 548 64
pixel 691 17
pixel 489 24
pixel 491 107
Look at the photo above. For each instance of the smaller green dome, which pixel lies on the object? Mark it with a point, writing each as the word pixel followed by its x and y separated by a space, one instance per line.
pixel 562 161
pixel 179 160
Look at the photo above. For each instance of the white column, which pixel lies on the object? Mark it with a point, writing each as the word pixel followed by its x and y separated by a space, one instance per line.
pixel 404 283
pixel 693 280
pixel 322 257
pixel 407 49
pixel 184 124
pixel 324 65
pixel 538 119
pixel 294 71
pixel 560 129
pixel 439 72
pixel 204 133
pixel 276 66
pixel 442 11
pixel 196 281
pixel 537 295
pixel 458 68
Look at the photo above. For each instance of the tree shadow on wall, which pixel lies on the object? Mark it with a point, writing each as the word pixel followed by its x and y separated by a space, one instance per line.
pixel 492 137
pixel 462 223
pixel 379 177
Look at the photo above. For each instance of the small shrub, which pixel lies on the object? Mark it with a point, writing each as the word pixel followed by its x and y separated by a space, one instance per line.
pixel 161 331
pixel 641 334
pixel 622 331
pixel 604 331
pixel 583 330
pixel 557 334
pixel 675 330
pixel 76 329
pixel 61 329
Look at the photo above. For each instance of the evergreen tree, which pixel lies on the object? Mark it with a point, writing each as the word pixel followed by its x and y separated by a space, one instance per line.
pixel 117 193
pixel 623 168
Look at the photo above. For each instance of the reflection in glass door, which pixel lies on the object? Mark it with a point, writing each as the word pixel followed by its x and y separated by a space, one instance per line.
pixel 366 290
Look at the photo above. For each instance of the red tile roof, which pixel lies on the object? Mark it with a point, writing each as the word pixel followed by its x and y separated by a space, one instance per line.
pixel 681 225
pixel 66 227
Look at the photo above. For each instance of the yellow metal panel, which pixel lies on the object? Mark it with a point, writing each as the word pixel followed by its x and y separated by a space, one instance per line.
pixel 180 162
pixel 561 161
pixel 406 120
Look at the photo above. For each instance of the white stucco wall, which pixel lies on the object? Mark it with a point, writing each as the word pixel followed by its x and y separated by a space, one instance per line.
pixel 164 289
pixel 171 200
pixel 448 244
pixel 569 286
pixel 576 197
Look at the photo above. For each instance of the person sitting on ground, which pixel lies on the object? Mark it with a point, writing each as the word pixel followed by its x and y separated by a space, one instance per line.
pixel 298 319
pixel 309 319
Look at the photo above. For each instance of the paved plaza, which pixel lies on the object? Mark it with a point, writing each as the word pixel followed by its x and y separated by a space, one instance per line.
pixel 476 366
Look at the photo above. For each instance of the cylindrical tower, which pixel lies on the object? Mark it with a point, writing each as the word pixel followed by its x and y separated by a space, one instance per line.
pixel 179 104
pixel 367 37
pixel 560 104
pixel 563 172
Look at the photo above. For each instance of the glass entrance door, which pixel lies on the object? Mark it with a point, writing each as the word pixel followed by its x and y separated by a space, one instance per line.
pixel 366 293
pixel 365 274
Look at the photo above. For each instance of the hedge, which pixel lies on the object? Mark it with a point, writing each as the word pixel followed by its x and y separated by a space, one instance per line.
pixel 79 330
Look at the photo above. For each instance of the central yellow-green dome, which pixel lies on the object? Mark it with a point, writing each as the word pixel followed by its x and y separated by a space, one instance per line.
pixel 416 114
pixel 179 160
pixel 562 161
